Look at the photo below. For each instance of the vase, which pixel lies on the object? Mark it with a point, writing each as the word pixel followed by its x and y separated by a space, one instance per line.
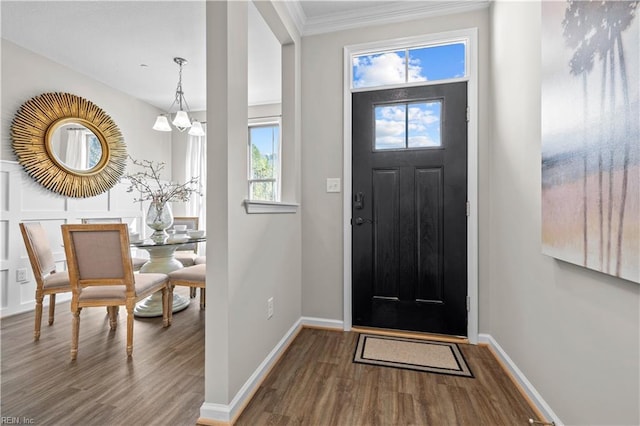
pixel 159 218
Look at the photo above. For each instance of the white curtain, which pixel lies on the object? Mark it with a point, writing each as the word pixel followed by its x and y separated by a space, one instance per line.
pixel 196 165
pixel 76 154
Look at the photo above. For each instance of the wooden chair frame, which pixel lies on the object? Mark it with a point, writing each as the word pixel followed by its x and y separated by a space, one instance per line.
pixel 81 280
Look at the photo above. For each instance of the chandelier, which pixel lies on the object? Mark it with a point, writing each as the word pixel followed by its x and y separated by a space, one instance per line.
pixel 181 121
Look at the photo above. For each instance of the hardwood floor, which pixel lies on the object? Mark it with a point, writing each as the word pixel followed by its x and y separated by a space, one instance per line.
pixel 314 383
pixel 162 384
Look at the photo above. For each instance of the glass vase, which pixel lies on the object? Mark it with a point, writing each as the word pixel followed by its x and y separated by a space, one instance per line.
pixel 159 218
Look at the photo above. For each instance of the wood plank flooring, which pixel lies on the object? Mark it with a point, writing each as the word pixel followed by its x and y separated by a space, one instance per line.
pixel 162 384
pixel 314 383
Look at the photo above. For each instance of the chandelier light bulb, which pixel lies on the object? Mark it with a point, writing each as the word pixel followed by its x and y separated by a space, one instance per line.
pixel 196 129
pixel 181 121
pixel 162 124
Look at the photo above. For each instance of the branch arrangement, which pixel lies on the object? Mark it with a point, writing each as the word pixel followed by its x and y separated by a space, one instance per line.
pixel 151 188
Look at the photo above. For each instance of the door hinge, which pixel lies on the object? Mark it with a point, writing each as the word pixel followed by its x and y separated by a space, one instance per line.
pixel 468 114
pixel 468 207
pixel 468 303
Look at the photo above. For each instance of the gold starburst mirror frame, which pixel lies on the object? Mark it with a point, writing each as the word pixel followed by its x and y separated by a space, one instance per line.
pixel 48 132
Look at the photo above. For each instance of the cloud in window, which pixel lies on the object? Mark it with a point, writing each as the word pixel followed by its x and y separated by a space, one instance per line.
pixel 385 68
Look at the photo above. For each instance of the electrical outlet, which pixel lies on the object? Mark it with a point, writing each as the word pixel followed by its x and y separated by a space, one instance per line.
pixel 21 274
pixel 269 307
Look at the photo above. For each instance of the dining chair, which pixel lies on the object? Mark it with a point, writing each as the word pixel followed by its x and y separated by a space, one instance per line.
pixel 187 253
pixel 137 261
pixel 193 277
pixel 48 280
pixel 101 274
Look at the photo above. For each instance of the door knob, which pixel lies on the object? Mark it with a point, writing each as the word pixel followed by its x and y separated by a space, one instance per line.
pixel 360 220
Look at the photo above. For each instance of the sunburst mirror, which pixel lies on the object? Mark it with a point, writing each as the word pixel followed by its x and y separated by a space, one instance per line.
pixel 68 144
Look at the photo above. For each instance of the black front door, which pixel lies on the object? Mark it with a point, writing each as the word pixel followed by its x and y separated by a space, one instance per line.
pixel 409 221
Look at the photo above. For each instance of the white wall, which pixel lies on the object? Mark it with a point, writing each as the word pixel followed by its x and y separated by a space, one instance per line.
pixel 322 117
pixel 25 75
pixel 252 257
pixel 573 332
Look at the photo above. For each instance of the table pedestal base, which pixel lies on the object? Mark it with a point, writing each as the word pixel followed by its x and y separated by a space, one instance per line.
pixel 152 305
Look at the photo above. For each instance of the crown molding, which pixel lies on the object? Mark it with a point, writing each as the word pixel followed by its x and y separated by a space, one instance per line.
pixel 384 14
pixel 296 14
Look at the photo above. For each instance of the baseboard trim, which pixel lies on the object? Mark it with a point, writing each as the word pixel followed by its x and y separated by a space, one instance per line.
pixel 221 414
pixel 527 389
pixel 313 322
pixel 217 414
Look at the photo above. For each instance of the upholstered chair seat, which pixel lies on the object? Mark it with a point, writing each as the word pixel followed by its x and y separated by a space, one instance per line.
pixel 187 253
pixel 191 276
pixel 200 260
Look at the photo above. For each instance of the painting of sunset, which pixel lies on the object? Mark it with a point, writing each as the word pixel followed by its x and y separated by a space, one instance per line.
pixel 591 135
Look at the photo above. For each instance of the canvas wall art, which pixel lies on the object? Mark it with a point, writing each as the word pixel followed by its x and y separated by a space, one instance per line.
pixel 591 135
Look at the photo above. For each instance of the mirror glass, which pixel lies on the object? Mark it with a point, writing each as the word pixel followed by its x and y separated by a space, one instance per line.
pixel 76 147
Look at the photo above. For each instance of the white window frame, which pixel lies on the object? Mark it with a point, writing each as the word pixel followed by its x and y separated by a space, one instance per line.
pixel 264 122
pixel 406 48
pixel 470 37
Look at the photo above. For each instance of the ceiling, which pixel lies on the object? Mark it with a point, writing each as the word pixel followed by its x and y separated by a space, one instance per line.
pixel 130 45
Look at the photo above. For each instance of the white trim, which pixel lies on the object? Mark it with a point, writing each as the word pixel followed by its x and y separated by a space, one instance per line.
pixel 471 36
pixel 384 14
pixel 521 379
pixel 323 323
pixel 226 413
pixel 257 207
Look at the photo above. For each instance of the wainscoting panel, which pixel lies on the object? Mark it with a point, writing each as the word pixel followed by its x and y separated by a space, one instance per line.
pixel 99 203
pixel 23 200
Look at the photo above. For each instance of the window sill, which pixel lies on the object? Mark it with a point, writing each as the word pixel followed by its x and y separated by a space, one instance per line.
pixel 258 207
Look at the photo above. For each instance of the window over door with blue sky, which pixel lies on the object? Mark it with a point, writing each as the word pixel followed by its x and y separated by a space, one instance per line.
pixel 409 65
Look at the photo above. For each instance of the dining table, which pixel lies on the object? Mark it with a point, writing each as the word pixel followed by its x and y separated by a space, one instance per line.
pixel 162 259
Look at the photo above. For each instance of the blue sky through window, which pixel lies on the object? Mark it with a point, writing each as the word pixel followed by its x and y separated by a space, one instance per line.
pixel 414 125
pixel 429 63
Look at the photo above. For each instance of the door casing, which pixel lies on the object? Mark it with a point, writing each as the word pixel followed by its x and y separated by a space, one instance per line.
pixel 470 36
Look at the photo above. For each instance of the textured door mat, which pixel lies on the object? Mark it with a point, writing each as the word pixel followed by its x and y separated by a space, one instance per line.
pixel 412 354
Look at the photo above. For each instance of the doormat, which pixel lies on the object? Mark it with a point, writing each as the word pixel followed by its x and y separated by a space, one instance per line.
pixel 411 354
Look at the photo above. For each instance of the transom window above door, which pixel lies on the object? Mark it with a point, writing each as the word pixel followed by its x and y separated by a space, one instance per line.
pixel 409 65
pixel 408 125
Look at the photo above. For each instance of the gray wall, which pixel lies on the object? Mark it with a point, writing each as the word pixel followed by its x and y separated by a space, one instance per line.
pixel 574 333
pixel 25 75
pixel 322 118
pixel 251 257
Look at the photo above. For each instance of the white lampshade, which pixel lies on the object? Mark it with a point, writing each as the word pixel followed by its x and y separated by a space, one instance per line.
pixel 181 121
pixel 196 129
pixel 162 124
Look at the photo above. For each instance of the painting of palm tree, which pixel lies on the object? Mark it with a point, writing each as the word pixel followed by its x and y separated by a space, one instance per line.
pixel 591 134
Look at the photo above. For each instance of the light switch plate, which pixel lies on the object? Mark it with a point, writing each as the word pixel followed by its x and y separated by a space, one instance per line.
pixel 333 184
